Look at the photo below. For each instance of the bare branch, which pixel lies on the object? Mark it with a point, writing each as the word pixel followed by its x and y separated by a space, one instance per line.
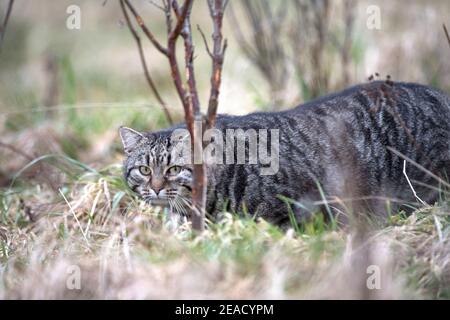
pixel 446 34
pixel 189 98
pixel 171 54
pixel 156 5
pixel 5 21
pixel 189 94
pixel 167 10
pixel 199 172
pixel 176 8
pixel 420 167
pixel 189 63
pixel 170 51
pixel 144 28
pixel 205 41
pixel 181 17
pixel 144 64
pixel 216 8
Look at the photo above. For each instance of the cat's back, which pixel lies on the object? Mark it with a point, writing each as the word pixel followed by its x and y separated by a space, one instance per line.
pixel 379 93
pixel 347 136
pixel 407 99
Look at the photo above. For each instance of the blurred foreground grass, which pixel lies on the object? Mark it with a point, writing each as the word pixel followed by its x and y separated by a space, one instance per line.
pixel 64 205
pixel 124 249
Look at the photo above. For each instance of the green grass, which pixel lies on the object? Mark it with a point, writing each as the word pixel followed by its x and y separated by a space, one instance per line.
pixel 115 235
pixel 126 249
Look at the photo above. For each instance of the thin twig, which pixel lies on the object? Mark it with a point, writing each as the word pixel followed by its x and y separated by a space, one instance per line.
pixel 411 186
pixel 144 64
pixel 5 21
pixel 446 34
pixel 205 41
pixel 431 174
pixel 144 28
pixel 158 6
pixel 216 9
pixel 167 10
pixel 189 64
pixel 175 71
pixel 181 17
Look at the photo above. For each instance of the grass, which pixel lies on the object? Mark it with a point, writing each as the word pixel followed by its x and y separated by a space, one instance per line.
pixel 68 209
pixel 125 249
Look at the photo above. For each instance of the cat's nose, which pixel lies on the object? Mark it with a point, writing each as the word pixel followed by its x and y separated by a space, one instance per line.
pixel 157 187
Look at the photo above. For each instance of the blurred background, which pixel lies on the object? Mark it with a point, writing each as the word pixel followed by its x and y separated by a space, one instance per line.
pixel 67 91
pixel 63 202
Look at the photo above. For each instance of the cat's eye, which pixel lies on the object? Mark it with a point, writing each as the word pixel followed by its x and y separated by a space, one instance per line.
pixel 144 170
pixel 174 170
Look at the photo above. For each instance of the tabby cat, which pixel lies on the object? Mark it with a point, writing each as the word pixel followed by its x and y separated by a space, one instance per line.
pixel 351 144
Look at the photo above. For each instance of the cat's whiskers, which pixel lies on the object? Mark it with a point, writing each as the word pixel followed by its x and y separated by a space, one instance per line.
pixel 178 206
pixel 186 202
pixel 171 206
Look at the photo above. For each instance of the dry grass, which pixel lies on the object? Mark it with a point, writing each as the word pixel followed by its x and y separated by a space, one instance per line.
pixel 125 249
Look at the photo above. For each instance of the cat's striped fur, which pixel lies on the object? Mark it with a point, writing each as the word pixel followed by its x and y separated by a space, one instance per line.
pixel 348 142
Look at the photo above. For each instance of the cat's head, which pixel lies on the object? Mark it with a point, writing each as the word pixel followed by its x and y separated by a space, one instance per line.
pixel 155 169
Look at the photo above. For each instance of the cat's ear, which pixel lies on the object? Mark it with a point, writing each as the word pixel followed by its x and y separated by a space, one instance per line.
pixel 130 138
